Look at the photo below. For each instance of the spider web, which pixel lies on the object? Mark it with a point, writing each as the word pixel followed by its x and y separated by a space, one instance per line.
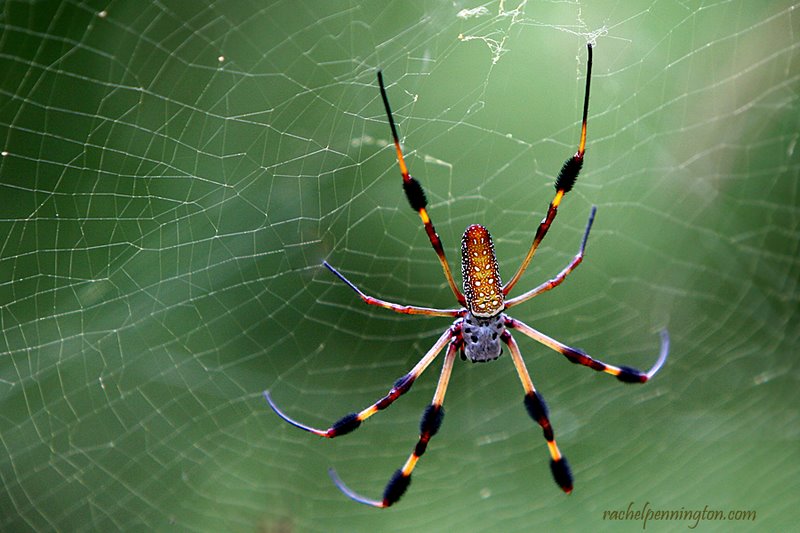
pixel 173 175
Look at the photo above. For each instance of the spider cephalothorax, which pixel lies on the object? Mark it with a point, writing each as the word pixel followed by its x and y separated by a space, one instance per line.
pixel 481 327
pixel 481 337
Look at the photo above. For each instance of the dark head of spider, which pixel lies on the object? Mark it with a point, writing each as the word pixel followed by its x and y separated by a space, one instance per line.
pixel 480 328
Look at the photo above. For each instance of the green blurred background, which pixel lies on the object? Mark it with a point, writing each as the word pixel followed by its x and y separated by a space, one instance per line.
pixel 173 175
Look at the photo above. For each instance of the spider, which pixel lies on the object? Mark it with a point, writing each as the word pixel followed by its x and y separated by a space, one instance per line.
pixel 481 326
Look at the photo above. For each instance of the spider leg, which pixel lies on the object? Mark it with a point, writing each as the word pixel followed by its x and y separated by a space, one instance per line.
pixel 537 409
pixel 564 182
pixel 397 308
pixel 429 425
pixel 352 421
pixel 556 281
pixel 416 197
pixel 625 374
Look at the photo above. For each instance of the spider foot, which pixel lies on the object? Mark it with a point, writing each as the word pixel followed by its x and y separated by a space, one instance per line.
pixel 355 496
pixel 631 375
pixel 344 425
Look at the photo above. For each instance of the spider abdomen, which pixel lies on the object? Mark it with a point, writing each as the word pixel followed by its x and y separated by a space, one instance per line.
pixel 482 337
pixel 482 287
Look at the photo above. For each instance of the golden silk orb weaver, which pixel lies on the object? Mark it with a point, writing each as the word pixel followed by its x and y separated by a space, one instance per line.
pixel 481 326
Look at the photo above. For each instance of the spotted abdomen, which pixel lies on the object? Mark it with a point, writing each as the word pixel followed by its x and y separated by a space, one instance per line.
pixel 482 287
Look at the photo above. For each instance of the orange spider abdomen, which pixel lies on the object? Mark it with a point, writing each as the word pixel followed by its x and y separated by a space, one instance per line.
pixel 482 287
